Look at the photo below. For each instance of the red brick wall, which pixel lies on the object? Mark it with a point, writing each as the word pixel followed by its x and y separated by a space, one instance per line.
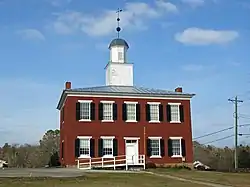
pixel 72 128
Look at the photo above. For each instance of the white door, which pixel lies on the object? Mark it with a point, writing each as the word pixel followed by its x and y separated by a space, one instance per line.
pixel 132 152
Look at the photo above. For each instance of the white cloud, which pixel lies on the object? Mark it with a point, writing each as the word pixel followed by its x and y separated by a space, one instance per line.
pixel 197 36
pixel 31 34
pixel 194 3
pixel 133 17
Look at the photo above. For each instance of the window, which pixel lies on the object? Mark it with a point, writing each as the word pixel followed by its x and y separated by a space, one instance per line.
pixel 84 110
pixel 108 111
pixel 84 148
pixel 107 147
pixel 175 113
pixel 120 56
pixel 176 147
pixel 155 147
pixel 131 111
pixel 154 111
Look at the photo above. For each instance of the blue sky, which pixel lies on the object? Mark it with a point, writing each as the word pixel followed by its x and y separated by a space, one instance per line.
pixel 198 44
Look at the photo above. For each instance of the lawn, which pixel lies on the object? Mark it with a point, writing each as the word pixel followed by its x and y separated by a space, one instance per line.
pixel 97 180
pixel 234 179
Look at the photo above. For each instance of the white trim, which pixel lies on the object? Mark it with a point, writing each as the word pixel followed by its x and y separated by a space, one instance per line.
pixel 84 120
pixel 155 156
pixel 107 101
pixel 131 138
pixel 174 103
pixel 154 103
pixel 107 137
pixel 62 141
pixel 154 121
pixel 131 121
pixel 105 120
pixel 175 122
pixel 130 102
pixel 85 101
pixel 84 137
pixel 176 156
pixel 154 137
pixel 131 97
pixel 175 137
pixel 108 156
pixel 84 156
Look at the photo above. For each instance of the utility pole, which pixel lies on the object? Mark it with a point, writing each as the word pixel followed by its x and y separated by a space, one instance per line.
pixel 236 101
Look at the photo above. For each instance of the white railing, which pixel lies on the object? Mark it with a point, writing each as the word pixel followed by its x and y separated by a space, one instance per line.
pixel 114 162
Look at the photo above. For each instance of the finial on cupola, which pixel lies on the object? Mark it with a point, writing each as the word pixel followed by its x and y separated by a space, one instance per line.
pixel 118 28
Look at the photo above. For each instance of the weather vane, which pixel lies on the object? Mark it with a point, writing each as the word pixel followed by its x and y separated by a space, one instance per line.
pixel 118 28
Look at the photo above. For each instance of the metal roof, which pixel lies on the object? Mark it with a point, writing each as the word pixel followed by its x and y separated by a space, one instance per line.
pixel 126 89
pixel 118 42
pixel 122 91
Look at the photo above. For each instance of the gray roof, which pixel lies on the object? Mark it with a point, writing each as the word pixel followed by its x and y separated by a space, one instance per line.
pixel 118 42
pixel 123 91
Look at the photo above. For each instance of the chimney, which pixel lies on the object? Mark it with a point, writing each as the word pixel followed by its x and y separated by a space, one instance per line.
pixel 68 85
pixel 178 89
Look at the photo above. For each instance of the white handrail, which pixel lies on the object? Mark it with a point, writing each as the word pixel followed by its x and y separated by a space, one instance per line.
pixel 121 160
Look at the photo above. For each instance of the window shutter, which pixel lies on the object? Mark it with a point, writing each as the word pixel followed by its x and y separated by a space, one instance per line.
pixel 138 112
pixel 77 148
pixel 183 147
pixel 92 148
pixel 161 112
pixel 181 113
pixel 149 147
pixel 115 147
pixel 114 111
pixel 78 111
pixel 170 150
pixel 100 111
pixel 100 147
pixel 124 112
pixel 92 111
pixel 147 112
pixel 168 113
pixel 162 144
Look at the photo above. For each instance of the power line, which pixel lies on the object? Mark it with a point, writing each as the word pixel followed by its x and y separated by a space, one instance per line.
pixel 219 139
pixel 222 130
pixel 212 133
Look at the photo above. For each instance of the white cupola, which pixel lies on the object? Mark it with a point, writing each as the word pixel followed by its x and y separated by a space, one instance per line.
pixel 118 71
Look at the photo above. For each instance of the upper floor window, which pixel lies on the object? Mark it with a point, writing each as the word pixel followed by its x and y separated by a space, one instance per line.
pixel 85 110
pixel 131 111
pixel 107 111
pixel 154 112
pixel 175 112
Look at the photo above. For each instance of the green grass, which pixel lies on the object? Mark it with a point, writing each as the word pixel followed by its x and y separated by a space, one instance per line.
pixel 97 180
pixel 234 179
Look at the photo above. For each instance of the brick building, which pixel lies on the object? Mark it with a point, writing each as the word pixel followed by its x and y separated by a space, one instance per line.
pixel 120 119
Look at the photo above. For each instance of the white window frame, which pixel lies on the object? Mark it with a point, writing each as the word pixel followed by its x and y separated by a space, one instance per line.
pixel 112 139
pixel 120 56
pixel 131 102
pixel 108 102
pixel 175 104
pixel 84 138
pixel 154 103
pixel 89 102
pixel 159 139
pixel 177 138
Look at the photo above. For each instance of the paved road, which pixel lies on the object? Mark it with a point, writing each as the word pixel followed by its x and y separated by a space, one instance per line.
pixel 41 172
